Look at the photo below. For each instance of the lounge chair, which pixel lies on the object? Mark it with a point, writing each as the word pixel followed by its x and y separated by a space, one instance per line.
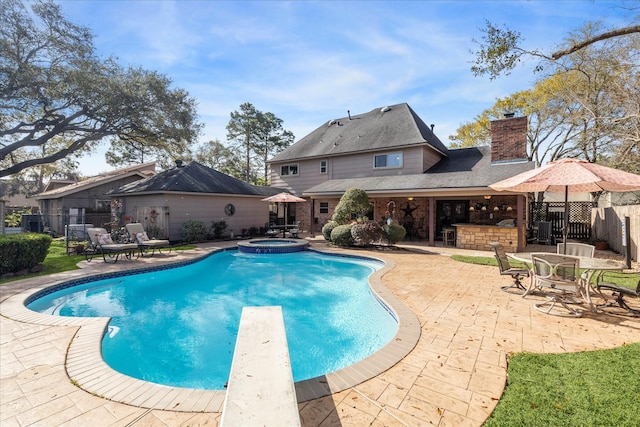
pixel 506 269
pixel 138 235
pixel 100 242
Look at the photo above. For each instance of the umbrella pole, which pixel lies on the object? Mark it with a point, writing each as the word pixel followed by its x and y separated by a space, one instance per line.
pixel 565 231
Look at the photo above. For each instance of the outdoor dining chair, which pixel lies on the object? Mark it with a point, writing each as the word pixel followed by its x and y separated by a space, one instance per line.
pixel 561 274
pixel 612 281
pixel 577 249
pixel 506 269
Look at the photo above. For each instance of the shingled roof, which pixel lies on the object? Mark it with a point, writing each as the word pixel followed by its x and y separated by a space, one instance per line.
pixel 142 170
pixel 194 177
pixel 463 169
pixel 380 129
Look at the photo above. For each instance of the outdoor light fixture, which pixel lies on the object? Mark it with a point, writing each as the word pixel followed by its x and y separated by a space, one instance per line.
pixel 410 199
pixel 487 197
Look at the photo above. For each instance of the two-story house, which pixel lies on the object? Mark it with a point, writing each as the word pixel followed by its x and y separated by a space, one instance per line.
pixel 410 176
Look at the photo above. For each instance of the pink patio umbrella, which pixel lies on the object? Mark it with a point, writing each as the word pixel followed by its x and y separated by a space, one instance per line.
pixel 285 198
pixel 570 175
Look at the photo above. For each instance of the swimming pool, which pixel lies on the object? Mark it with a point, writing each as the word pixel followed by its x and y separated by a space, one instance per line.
pixel 186 350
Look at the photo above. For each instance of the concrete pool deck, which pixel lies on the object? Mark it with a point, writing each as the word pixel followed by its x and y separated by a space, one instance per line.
pixel 453 376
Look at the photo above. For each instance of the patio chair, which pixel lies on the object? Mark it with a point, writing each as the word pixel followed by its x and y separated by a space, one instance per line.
pixel 577 249
pixel 561 274
pixel 506 269
pixel 610 281
pixel 100 242
pixel 543 232
pixel 138 235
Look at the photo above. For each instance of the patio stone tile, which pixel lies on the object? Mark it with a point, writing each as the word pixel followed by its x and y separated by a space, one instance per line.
pixel 373 388
pixel 95 415
pixel 440 400
pixel 12 408
pixel 348 415
pixel 39 414
pixel 314 412
pixel 418 412
pixel 393 395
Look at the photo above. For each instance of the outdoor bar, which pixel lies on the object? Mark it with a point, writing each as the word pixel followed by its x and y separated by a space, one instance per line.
pixel 493 219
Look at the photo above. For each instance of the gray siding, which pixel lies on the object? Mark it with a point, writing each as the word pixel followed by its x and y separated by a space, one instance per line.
pixel 249 211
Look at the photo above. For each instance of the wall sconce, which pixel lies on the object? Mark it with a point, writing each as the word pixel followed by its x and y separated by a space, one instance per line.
pixel 410 199
pixel 487 197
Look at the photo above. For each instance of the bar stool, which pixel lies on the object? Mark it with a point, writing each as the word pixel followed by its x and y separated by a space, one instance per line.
pixel 449 236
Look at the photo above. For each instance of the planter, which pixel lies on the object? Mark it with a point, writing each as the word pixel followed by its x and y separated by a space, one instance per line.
pixel 602 246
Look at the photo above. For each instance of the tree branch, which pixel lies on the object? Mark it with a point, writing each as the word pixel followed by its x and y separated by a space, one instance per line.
pixel 610 34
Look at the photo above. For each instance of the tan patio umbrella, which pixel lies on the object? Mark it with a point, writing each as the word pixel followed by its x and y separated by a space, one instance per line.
pixel 570 176
pixel 285 198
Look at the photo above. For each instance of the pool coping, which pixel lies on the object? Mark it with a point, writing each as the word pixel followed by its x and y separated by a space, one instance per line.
pixel 87 369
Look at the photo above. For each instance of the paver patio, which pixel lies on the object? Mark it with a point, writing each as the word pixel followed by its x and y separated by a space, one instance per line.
pixel 454 376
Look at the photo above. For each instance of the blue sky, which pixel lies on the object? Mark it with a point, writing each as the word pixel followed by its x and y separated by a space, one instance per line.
pixel 308 62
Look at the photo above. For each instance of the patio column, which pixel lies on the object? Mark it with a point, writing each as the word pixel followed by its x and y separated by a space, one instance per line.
pixel 432 221
pixel 522 225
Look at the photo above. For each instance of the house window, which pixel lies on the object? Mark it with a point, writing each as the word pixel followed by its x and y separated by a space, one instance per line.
pixel 324 207
pixel 103 205
pixel 289 169
pixel 323 166
pixel 390 160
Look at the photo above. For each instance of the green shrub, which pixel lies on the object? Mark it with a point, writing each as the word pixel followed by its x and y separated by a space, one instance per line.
pixel 341 235
pixel 217 229
pixel 353 205
pixel 394 233
pixel 367 233
pixel 194 231
pixel 327 229
pixel 22 251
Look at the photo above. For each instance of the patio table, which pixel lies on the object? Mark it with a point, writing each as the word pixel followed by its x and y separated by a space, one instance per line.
pixel 591 267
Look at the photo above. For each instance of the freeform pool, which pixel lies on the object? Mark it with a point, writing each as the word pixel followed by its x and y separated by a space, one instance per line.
pixel 170 328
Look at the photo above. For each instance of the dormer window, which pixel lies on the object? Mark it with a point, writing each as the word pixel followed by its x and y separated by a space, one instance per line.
pixel 288 170
pixel 389 160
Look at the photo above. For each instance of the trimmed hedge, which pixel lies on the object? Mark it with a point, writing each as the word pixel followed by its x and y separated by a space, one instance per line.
pixel 327 229
pixel 394 233
pixel 341 235
pixel 194 231
pixel 22 251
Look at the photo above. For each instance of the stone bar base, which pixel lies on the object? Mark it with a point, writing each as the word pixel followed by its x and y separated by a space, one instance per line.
pixel 478 237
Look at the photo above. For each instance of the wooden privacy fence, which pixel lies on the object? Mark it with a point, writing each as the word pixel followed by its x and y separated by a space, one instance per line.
pixel 607 225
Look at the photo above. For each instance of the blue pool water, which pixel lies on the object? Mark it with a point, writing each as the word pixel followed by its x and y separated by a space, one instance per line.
pixel 178 326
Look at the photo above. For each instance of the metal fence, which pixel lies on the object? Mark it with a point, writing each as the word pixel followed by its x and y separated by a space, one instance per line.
pixel 579 218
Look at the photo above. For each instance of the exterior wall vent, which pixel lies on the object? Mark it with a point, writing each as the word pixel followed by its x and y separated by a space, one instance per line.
pixel 385 109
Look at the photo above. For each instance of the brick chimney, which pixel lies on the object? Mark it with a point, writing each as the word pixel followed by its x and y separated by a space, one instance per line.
pixel 509 139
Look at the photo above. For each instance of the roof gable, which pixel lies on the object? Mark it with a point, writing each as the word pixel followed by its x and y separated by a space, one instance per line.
pixel 380 129
pixel 194 177
pixel 142 170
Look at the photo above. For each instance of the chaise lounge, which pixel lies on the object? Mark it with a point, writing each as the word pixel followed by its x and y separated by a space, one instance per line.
pixel 100 242
pixel 138 235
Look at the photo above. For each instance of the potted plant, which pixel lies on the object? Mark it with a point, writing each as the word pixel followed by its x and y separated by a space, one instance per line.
pixel 601 244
